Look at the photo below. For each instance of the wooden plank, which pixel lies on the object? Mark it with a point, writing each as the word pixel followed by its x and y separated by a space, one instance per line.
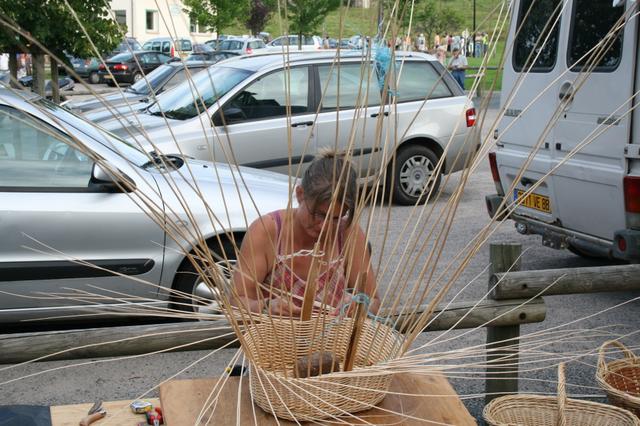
pixel 569 281
pixel 140 339
pixel 183 401
pixel 118 413
pixel 114 341
pixel 502 370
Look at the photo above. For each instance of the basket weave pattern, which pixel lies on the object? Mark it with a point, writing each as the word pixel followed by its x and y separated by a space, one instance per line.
pixel 537 410
pixel 620 378
pixel 276 344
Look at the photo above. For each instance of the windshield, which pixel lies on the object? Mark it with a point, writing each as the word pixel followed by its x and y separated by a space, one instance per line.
pixel 154 78
pixel 121 57
pixel 109 140
pixel 205 87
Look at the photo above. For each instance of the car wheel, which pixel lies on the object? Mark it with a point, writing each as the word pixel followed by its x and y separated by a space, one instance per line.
pixel 191 293
pixel 414 170
pixel 94 78
pixel 137 77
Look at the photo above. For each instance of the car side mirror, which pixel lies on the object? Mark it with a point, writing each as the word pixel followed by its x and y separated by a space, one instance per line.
pixel 231 115
pixel 110 182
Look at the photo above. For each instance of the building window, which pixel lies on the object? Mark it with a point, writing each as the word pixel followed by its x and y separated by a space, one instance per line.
pixel 152 20
pixel 193 25
pixel 121 18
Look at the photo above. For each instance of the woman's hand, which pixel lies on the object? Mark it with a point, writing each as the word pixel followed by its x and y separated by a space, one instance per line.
pixel 283 307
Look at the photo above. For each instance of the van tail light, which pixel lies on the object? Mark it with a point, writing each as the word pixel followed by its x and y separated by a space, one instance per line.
pixel 101 67
pixel 631 186
pixel 471 117
pixel 173 51
pixel 120 67
pixel 249 51
pixel 494 173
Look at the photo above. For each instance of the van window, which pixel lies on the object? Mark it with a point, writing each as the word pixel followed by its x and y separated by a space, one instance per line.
pixel 417 80
pixel 538 25
pixel 185 45
pixel 267 96
pixel 166 47
pixel 591 22
pixel 353 86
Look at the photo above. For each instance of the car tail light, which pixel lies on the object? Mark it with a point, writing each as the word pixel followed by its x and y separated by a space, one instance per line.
pixel 120 67
pixel 622 243
pixel 101 67
pixel 471 117
pixel 631 186
pixel 173 51
pixel 494 173
pixel 249 51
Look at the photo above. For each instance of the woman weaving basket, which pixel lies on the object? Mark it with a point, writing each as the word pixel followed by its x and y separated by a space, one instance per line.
pixel 283 249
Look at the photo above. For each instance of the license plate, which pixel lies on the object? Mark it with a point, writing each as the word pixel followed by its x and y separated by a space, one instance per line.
pixel 533 201
pixel 107 76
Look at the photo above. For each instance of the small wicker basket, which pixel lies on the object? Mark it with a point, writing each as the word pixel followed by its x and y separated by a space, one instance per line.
pixel 537 410
pixel 620 378
pixel 275 344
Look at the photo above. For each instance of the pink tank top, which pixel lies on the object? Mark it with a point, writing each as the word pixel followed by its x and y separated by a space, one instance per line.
pixel 330 283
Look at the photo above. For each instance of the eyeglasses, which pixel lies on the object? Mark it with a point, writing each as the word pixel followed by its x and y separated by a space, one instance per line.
pixel 322 216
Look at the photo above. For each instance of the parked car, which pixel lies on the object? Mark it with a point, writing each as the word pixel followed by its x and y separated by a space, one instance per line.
pixel 129 44
pixel 212 43
pixel 53 195
pixel 245 101
pixel 308 43
pixel 130 67
pixel 162 78
pixel 244 46
pixel 576 131
pixel 86 68
pixel 212 57
pixel 181 47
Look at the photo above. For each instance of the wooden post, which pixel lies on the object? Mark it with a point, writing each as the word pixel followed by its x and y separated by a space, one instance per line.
pixel 502 365
pixel 55 87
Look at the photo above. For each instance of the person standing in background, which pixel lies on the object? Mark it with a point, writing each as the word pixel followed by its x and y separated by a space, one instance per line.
pixel 458 65
pixel 441 54
pixel 422 43
pixel 436 41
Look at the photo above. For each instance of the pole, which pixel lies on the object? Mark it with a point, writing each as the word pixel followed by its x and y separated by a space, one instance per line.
pixel 473 34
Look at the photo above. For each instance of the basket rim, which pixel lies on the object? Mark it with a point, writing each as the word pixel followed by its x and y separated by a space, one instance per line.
pixel 572 404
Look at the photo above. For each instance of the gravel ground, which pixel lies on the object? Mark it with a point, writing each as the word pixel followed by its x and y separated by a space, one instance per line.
pixel 112 379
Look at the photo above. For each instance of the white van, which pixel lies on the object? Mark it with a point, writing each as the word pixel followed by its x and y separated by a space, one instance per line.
pixel 590 202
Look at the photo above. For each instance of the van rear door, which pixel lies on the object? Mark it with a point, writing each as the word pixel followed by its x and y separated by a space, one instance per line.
pixel 595 95
pixel 527 95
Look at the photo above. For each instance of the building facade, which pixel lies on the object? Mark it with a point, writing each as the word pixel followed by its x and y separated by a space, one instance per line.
pixel 147 19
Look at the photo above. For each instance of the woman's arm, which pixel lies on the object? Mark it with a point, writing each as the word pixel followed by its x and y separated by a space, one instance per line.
pixel 359 262
pixel 254 262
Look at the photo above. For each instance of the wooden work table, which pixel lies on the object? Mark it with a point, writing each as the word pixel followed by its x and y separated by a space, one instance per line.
pixel 182 401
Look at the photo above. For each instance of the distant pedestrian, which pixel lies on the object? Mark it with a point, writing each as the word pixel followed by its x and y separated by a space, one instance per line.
pixel 441 54
pixel 422 43
pixel 325 42
pixel 4 62
pixel 457 65
pixel 449 42
pixel 436 41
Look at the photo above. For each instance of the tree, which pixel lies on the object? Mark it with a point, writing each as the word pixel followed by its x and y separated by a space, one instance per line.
pixel 433 19
pixel 259 14
pixel 305 16
pixel 51 28
pixel 216 15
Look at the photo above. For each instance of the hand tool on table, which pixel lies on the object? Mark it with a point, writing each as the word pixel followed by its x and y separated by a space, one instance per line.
pixel 96 412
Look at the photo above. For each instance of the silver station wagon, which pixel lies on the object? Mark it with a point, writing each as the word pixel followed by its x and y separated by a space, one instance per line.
pixel 270 112
pixel 76 239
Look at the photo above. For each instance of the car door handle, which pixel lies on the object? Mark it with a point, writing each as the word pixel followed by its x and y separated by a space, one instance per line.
pixel 375 114
pixel 302 123
pixel 566 92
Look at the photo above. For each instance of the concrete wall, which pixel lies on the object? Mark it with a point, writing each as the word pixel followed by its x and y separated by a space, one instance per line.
pixel 167 18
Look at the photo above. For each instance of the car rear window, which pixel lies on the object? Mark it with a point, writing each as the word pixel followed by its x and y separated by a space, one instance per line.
pixel 591 22
pixel 537 39
pixel 184 44
pixel 122 57
pixel 418 81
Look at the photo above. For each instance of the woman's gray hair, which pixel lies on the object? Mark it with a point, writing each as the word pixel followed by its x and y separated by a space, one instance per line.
pixel 329 175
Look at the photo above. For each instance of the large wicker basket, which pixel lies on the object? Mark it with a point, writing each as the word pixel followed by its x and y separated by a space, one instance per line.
pixel 537 410
pixel 274 345
pixel 620 378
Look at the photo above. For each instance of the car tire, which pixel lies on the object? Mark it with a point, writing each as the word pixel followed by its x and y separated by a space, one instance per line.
pixel 189 289
pixel 413 166
pixel 111 83
pixel 136 78
pixel 94 78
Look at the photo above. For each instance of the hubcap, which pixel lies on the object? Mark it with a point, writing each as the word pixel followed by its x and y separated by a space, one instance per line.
pixel 206 299
pixel 415 174
pixel 137 77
